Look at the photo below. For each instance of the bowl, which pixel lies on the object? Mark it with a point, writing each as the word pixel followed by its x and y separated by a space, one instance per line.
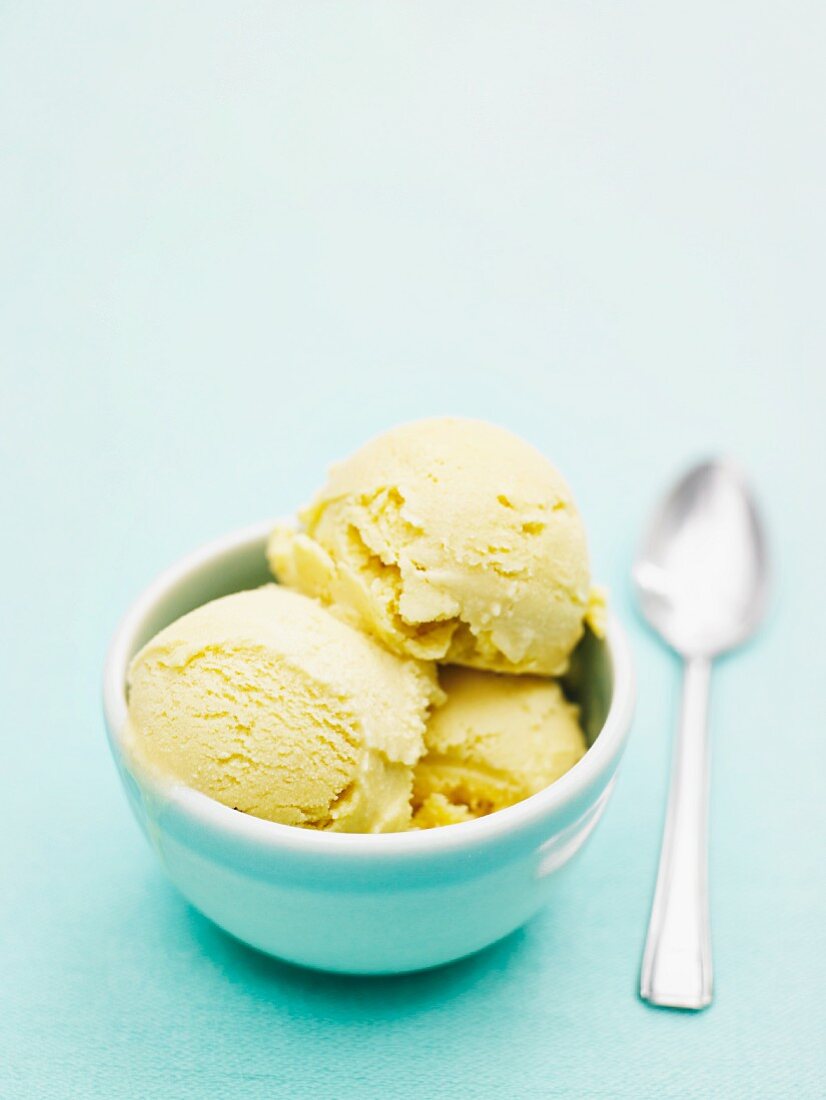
pixel 358 903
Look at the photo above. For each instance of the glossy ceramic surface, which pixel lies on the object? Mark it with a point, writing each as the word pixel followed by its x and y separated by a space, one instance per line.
pixel 359 903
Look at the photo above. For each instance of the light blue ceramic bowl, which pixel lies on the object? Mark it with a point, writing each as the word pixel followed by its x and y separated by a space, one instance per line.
pixel 350 902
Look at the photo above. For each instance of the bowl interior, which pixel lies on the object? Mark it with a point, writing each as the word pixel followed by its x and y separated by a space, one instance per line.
pixel 222 569
pixel 590 682
pixel 237 569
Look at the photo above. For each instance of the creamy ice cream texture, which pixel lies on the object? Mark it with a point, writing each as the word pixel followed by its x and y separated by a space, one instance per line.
pixel 317 704
pixel 448 540
pixel 268 703
pixel 496 740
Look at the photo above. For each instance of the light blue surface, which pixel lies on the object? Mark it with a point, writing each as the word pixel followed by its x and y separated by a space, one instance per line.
pixel 237 240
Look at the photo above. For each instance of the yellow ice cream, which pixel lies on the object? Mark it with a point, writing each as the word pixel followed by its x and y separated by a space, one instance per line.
pixel 268 703
pixel 495 741
pixel 448 540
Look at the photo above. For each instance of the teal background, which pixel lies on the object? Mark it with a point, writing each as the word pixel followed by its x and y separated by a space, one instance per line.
pixel 238 239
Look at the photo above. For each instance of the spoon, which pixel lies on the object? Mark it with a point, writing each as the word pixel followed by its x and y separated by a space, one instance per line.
pixel 701 579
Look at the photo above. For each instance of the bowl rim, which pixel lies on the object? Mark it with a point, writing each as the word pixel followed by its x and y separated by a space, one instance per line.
pixel 214 816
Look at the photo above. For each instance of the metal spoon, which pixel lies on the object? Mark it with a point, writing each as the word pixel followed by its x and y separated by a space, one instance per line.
pixel 701 578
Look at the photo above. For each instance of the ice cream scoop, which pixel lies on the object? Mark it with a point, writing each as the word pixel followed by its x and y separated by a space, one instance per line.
pixel 496 740
pixel 268 703
pixel 449 540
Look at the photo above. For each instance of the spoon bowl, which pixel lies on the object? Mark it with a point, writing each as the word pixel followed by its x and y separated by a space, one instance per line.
pixel 701 574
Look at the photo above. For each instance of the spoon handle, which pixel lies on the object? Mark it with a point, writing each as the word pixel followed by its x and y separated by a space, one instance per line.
pixel 676 966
